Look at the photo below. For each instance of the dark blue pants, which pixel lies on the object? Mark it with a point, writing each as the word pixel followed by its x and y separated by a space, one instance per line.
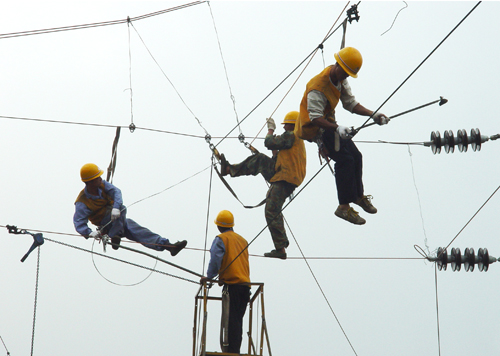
pixel 348 168
pixel 239 295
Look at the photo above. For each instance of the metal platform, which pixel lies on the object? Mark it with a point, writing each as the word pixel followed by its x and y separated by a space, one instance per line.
pixel 256 345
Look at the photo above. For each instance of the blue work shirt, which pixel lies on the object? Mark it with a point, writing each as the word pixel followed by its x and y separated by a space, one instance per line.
pixel 82 212
pixel 217 252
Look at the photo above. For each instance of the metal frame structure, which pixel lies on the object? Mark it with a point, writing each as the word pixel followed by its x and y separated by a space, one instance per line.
pixel 202 295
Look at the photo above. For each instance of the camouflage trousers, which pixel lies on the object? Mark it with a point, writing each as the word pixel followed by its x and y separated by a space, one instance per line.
pixel 275 197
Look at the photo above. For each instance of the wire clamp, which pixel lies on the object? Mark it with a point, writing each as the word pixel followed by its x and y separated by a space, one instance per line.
pixel 352 13
pixel 131 127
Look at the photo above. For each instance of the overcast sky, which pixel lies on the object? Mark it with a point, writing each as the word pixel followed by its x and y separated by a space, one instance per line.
pixel 380 289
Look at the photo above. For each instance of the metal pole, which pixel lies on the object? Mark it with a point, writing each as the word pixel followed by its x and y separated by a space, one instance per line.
pixel 441 102
pixel 156 258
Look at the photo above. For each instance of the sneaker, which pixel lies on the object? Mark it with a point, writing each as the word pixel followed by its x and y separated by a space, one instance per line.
pixel 365 203
pixel 350 215
pixel 224 164
pixel 276 254
pixel 115 242
pixel 177 247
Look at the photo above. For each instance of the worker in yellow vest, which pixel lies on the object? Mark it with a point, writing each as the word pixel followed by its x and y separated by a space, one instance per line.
pixel 285 171
pixel 317 123
pixel 229 260
pixel 101 203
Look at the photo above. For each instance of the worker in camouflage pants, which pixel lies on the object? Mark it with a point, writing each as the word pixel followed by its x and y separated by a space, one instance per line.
pixel 285 171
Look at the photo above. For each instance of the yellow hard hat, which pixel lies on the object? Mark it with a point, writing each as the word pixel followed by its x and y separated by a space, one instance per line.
pixel 90 171
pixel 225 219
pixel 350 60
pixel 291 117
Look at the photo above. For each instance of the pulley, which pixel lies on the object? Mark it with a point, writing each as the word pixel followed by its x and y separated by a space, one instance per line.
pixel 352 13
pixel 449 141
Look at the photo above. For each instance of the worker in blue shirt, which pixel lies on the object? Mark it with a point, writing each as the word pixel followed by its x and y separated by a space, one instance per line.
pixel 229 260
pixel 101 203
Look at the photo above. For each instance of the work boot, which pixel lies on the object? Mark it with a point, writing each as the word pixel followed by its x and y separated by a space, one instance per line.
pixel 350 215
pixel 177 247
pixel 276 254
pixel 365 203
pixel 115 242
pixel 224 165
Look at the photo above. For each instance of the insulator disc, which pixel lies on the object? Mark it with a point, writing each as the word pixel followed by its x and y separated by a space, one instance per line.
pixel 436 142
pixel 470 259
pixel 484 259
pixel 478 140
pixel 446 141
pixel 442 259
pixel 463 141
pixel 451 141
pixel 456 259
pixel 473 139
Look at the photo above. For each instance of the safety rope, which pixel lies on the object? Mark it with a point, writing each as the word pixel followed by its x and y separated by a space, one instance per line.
pixel 406 5
pixel 418 198
pixel 168 79
pixel 36 299
pixel 437 309
pixel 225 68
pixel 132 125
pixel 121 284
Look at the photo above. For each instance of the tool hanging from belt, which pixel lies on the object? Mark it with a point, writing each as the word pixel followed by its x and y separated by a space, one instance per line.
pixel 216 153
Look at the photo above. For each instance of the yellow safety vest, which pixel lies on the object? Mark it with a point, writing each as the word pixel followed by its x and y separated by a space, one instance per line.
pixel 238 271
pixel 305 128
pixel 99 207
pixel 291 163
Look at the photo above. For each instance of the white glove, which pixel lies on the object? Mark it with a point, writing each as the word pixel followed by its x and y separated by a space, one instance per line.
pixel 344 132
pixel 95 235
pixel 270 124
pixel 381 119
pixel 115 214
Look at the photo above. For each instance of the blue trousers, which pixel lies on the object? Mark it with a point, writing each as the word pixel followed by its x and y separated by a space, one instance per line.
pixel 348 168
pixel 124 227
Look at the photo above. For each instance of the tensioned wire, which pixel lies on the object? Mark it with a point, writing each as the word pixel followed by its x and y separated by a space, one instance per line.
pixel 97 24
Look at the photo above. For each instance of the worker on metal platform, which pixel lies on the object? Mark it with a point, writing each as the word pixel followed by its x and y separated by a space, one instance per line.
pixel 317 123
pixel 229 260
pixel 101 203
pixel 285 171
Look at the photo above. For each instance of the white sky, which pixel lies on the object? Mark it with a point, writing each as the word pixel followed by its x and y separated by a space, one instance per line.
pixel 386 307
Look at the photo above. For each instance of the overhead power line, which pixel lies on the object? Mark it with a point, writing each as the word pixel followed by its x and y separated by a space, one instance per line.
pixel 96 24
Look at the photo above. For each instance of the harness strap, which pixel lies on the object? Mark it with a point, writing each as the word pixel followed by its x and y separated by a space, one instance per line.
pixel 114 151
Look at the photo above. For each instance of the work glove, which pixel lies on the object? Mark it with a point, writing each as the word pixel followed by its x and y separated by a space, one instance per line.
pixel 95 235
pixel 344 132
pixel 381 119
pixel 270 124
pixel 115 214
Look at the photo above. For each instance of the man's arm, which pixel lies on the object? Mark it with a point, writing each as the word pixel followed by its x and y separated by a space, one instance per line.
pixel 81 219
pixel 115 193
pixel 217 252
pixel 281 142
